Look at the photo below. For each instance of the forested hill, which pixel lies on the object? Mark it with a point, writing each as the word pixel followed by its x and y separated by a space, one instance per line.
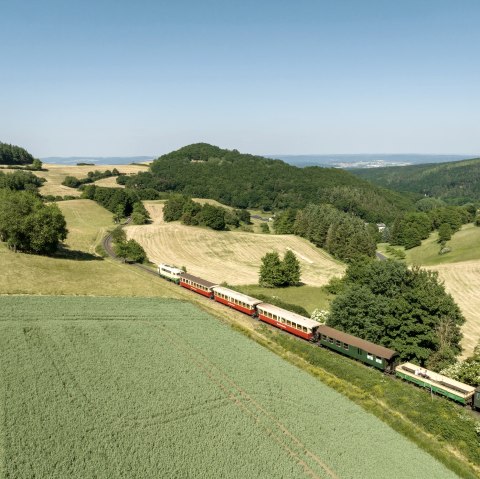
pixel 14 155
pixel 455 182
pixel 248 181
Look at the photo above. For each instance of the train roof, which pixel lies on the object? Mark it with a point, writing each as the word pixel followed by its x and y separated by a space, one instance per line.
pixel 367 346
pixel 436 379
pixel 296 318
pixel 196 279
pixel 173 269
pixel 236 295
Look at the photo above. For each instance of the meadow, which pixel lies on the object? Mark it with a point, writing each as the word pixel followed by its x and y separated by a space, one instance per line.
pixel 118 387
pixel 227 256
pixel 55 174
pixel 77 270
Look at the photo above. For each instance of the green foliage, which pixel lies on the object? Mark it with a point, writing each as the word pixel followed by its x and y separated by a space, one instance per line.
pixel 404 309
pixel 247 181
pixel 37 164
pixel 212 217
pixel 291 268
pixel 130 251
pixel 467 371
pixel 428 204
pixel 92 176
pixel 276 273
pixel 410 229
pixel 112 198
pixel 20 180
pixel 264 228
pixel 28 225
pixel 140 215
pixel 344 236
pixel 396 252
pixel 455 182
pixel 271 271
pixel 14 155
pixel 284 222
pixel 444 232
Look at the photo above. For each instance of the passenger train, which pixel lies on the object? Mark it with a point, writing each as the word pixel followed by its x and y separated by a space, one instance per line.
pixel 372 354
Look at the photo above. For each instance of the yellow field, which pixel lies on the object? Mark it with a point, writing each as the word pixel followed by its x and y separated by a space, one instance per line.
pixel 57 173
pixel 462 281
pixel 230 256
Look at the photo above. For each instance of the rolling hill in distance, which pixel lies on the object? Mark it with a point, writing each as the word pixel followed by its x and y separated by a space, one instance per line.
pixel 454 182
pixel 97 160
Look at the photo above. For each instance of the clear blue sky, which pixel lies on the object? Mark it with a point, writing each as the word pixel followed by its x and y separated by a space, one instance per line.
pixel 116 77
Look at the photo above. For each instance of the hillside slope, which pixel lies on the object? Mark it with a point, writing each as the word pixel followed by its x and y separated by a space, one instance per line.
pixel 248 181
pixel 456 182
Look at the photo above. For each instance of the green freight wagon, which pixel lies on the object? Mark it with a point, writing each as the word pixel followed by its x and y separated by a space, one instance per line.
pixel 365 351
pixel 439 384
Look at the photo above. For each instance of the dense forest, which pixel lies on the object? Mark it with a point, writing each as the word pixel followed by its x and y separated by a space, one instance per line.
pixel 248 181
pixel 14 155
pixel 455 182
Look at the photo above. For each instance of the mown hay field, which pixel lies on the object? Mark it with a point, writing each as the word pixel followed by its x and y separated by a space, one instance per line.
pixel 57 173
pixel 140 388
pixel 462 281
pixel 230 256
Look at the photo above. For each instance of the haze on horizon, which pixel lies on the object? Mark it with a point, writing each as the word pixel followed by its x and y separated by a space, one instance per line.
pixel 117 78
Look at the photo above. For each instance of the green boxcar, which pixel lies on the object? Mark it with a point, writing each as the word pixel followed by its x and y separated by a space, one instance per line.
pixel 365 351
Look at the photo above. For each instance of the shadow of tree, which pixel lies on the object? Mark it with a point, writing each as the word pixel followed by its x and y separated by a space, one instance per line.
pixel 76 255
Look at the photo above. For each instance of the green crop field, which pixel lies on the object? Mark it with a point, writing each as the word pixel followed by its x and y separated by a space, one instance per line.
pixel 140 388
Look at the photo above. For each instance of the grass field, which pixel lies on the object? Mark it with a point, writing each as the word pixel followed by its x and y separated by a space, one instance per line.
pixel 460 271
pixel 57 173
pixel 111 387
pixel 465 246
pixel 77 270
pixel 310 297
pixel 230 256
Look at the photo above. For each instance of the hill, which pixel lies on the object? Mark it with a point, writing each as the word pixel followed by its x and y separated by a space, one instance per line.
pixel 14 155
pixel 249 181
pixel 455 182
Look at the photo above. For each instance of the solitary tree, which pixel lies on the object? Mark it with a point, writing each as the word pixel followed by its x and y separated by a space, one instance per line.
pixel 444 232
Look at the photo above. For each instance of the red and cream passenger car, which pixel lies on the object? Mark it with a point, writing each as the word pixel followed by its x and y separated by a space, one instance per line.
pixel 242 302
pixel 305 328
pixel 199 285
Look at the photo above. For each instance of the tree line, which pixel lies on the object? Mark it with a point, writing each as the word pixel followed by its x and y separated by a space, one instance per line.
pixel 20 180
pixel 275 273
pixel 189 212
pixel 343 235
pixel 14 155
pixel 92 176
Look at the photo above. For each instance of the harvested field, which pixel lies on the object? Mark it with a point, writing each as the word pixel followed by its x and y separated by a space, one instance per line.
pixel 462 281
pixel 144 388
pixel 231 256
pixel 57 173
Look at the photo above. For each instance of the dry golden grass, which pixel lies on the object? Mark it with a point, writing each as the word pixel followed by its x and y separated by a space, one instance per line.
pixel 462 281
pixel 230 256
pixel 57 173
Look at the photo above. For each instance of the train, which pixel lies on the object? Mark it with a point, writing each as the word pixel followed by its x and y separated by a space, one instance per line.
pixel 369 353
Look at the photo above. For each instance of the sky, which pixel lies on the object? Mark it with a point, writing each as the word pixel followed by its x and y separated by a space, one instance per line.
pixel 122 78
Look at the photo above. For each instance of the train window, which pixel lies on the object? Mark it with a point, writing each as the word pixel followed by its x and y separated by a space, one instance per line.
pixel 345 346
pixel 324 337
pixel 370 356
pixel 378 360
pixel 339 343
pixel 330 340
pixel 289 323
pixel 304 329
